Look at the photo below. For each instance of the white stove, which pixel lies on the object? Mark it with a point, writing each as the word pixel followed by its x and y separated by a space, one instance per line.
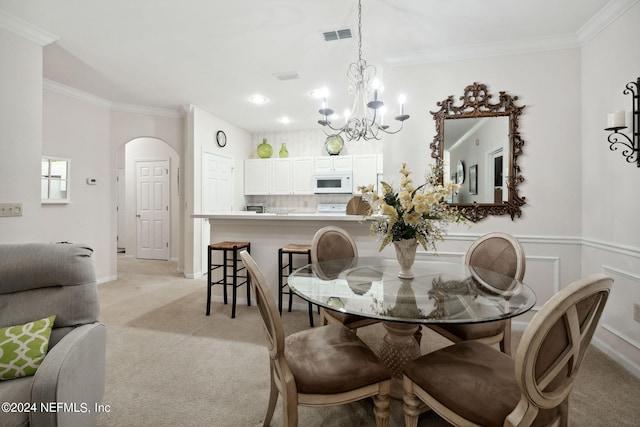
pixel 332 209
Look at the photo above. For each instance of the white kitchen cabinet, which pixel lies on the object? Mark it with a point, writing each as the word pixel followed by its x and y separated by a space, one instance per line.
pixel 280 176
pixel 257 177
pixel 293 175
pixel 302 175
pixel 334 163
pixel 365 170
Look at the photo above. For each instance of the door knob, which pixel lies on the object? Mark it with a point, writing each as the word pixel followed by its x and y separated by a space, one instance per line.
pixel 137 215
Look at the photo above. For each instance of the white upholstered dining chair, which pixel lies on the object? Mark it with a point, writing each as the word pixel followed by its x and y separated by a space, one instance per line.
pixel 502 253
pixel 473 384
pixel 323 366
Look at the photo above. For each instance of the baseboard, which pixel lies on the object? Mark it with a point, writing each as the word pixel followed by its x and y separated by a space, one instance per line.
pixel 617 357
pixel 106 279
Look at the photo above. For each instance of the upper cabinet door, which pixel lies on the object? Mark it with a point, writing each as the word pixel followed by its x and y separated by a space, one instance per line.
pixel 281 176
pixel 333 163
pixel 302 175
pixel 257 177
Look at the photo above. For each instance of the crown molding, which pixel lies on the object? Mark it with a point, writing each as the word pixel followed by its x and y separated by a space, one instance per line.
pixel 140 109
pixel 71 92
pixel 566 41
pixel 26 30
pixel 601 20
pixel 62 89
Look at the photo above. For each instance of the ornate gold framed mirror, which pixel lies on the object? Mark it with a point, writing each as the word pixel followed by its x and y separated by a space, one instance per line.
pixel 483 137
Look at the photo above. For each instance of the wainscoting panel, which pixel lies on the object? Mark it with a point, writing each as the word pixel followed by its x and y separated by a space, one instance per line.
pixel 624 294
pixel 543 276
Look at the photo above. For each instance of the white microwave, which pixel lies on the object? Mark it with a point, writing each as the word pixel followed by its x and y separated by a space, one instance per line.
pixel 333 183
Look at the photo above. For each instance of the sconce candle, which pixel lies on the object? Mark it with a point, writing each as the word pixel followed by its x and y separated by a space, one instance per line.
pixel 616 122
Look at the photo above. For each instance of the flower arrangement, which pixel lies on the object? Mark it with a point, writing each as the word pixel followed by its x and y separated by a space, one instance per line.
pixel 412 212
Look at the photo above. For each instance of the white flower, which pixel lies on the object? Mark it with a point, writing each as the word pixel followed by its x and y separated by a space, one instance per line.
pixel 422 213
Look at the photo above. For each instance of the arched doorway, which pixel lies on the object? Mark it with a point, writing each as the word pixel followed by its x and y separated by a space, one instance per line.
pixel 148 178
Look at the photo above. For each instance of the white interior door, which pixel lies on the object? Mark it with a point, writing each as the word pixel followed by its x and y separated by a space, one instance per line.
pixel 216 183
pixel 153 216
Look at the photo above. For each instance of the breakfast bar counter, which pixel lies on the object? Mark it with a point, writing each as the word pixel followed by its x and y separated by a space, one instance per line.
pixel 252 216
pixel 267 232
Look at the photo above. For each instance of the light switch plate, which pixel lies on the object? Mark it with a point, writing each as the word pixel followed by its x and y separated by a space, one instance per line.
pixel 10 209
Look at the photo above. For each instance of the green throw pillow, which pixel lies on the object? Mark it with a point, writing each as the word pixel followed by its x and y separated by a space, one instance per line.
pixel 23 347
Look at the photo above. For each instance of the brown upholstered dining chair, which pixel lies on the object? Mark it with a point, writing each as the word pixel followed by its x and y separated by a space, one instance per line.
pixel 473 384
pixel 504 254
pixel 323 366
pixel 334 243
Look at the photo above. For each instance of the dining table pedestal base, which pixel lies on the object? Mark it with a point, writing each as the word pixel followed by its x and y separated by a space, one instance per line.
pixel 399 347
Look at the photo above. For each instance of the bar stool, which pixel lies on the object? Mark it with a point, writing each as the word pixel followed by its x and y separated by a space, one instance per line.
pixel 284 270
pixel 230 271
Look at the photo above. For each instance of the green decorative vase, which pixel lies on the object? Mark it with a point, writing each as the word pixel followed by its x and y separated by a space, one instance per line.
pixel 264 150
pixel 283 151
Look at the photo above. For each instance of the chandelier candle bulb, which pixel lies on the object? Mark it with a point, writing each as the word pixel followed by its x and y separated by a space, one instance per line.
pixel 402 99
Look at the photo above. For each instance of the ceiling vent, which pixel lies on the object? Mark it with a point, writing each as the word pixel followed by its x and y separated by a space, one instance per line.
pixel 289 75
pixel 337 35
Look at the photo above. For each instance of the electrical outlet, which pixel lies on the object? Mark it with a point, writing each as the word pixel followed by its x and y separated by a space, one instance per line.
pixel 10 209
pixel 636 312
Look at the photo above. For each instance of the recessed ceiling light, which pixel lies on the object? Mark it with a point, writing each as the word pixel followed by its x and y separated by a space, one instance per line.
pixel 258 99
pixel 284 120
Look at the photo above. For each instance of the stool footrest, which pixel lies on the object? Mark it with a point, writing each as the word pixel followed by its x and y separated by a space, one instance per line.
pixel 285 268
pixel 232 266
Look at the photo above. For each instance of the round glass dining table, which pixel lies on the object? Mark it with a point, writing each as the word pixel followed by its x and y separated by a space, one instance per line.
pixel 440 292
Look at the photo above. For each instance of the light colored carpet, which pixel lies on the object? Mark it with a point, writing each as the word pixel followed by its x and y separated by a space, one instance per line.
pixel 168 364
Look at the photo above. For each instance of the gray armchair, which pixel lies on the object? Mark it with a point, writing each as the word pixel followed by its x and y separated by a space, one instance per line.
pixel 37 281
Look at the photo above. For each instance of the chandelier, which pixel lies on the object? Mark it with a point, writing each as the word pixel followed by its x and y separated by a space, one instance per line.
pixel 366 119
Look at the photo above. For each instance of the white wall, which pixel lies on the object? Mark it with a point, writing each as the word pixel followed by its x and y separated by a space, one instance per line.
pixel 201 129
pixel 79 131
pixel 610 202
pixel 20 135
pixel 548 84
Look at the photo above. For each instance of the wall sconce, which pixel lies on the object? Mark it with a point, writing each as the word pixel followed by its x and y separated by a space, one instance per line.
pixel 616 123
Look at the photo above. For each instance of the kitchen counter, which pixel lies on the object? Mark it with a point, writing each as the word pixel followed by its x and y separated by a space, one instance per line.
pixel 294 216
pixel 268 232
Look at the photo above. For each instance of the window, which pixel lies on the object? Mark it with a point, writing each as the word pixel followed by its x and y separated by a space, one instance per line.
pixel 54 187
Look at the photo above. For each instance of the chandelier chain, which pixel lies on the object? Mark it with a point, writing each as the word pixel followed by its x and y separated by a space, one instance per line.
pixel 359 31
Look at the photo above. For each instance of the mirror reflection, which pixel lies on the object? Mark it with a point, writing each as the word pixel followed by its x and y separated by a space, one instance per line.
pixel 476 148
pixel 478 144
pixel 54 180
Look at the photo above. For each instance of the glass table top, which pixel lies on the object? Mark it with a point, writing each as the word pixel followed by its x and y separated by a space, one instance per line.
pixel 440 292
